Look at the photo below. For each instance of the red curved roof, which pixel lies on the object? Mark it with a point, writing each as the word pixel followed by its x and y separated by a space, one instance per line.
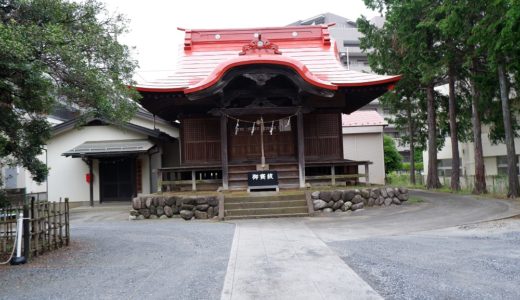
pixel 209 54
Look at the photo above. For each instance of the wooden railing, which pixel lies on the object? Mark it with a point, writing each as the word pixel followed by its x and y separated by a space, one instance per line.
pixel 332 175
pixel 178 178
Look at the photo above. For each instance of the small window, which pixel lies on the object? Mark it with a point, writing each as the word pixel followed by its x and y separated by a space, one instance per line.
pixel 444 167
pixel 502 163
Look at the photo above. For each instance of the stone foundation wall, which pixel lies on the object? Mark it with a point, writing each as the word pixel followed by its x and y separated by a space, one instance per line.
pixel 187 207
pixel 344 200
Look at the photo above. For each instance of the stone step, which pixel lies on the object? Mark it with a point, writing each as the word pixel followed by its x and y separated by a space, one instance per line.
pixel 263 204
pixel 263 198
pixel 267 216
pixel 284 183
pixel 266 211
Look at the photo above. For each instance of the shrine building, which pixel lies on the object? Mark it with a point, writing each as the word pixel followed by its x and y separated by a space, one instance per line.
pixel 260 99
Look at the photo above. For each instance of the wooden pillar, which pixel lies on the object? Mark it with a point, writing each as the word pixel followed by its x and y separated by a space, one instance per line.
pixel 301 149
pixel 223 150
pixel 91 184
pixel 367 178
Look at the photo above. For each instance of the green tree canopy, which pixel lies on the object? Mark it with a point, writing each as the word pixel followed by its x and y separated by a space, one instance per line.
pixel 55 51
pixel 393 160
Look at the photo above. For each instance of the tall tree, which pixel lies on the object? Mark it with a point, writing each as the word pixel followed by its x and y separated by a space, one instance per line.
pixel 460 20
pixel 57 51
pixel 476 68
pixel 501 21
pixel 416 40
pixel 447 16
pixel 480 171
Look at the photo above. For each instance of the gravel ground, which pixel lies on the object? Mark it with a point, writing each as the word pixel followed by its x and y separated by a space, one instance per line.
pixel 466 262
pixel 120 259
pixel 416 251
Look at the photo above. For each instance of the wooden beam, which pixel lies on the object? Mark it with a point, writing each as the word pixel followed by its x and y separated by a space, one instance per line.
pixel 301 149
pixel 188 182
pixel 224 151
pixel 277 110
pixel 338 176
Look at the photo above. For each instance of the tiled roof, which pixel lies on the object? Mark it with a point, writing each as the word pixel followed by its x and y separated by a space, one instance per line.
pixel 208 54
pixel 109 147
pixel 363 118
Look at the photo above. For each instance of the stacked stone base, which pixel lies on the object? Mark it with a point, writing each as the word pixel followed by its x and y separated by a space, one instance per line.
pixel 186 207
pixel 345 200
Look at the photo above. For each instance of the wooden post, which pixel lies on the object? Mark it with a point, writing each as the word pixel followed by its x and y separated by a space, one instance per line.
pixel 54 225
pixel 193 181
pixel 310 205
pixel 35 223
pixel 26 232
pixel 223 151
pixel 48 227
pixel 159 179
pixel 67 225
pixel 301 149
pixel 332 175
pixel 262 142
pixel 90 167
pixel 60 224
pixel 221 211
pixel 367 178
pixel 41 224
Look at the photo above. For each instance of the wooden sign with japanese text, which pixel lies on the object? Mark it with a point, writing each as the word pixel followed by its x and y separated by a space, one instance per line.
pixel 262 178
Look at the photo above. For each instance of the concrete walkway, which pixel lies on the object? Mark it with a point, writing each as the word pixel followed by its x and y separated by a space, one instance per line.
pixel 283 259
pixel 290 258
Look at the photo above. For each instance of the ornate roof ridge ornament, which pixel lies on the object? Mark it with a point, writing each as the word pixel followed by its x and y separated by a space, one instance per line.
pixel 259 44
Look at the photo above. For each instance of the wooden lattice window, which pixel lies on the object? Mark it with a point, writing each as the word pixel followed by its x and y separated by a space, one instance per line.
pixel 322 132
pixel 200 138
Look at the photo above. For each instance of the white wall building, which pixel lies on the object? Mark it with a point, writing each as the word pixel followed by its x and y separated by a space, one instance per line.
pixel 363 140
pixel 495 161
pixel 124 157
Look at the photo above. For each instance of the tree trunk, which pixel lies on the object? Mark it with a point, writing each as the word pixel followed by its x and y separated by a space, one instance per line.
pixel 455 161
pixel 432 180
pixel 412 150
pixel 480 171
pixel 512 169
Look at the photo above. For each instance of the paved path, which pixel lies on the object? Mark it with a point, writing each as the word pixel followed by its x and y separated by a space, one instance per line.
pixel 310 258
pixel 283 259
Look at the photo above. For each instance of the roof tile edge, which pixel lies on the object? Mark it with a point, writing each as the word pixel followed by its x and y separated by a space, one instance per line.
pixel 245 35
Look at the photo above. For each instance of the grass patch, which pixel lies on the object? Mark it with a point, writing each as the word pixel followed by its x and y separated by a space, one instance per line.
pixel 415 200
pixel 446 189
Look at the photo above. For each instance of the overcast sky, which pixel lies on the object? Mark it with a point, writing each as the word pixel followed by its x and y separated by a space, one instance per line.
pixel 153 23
